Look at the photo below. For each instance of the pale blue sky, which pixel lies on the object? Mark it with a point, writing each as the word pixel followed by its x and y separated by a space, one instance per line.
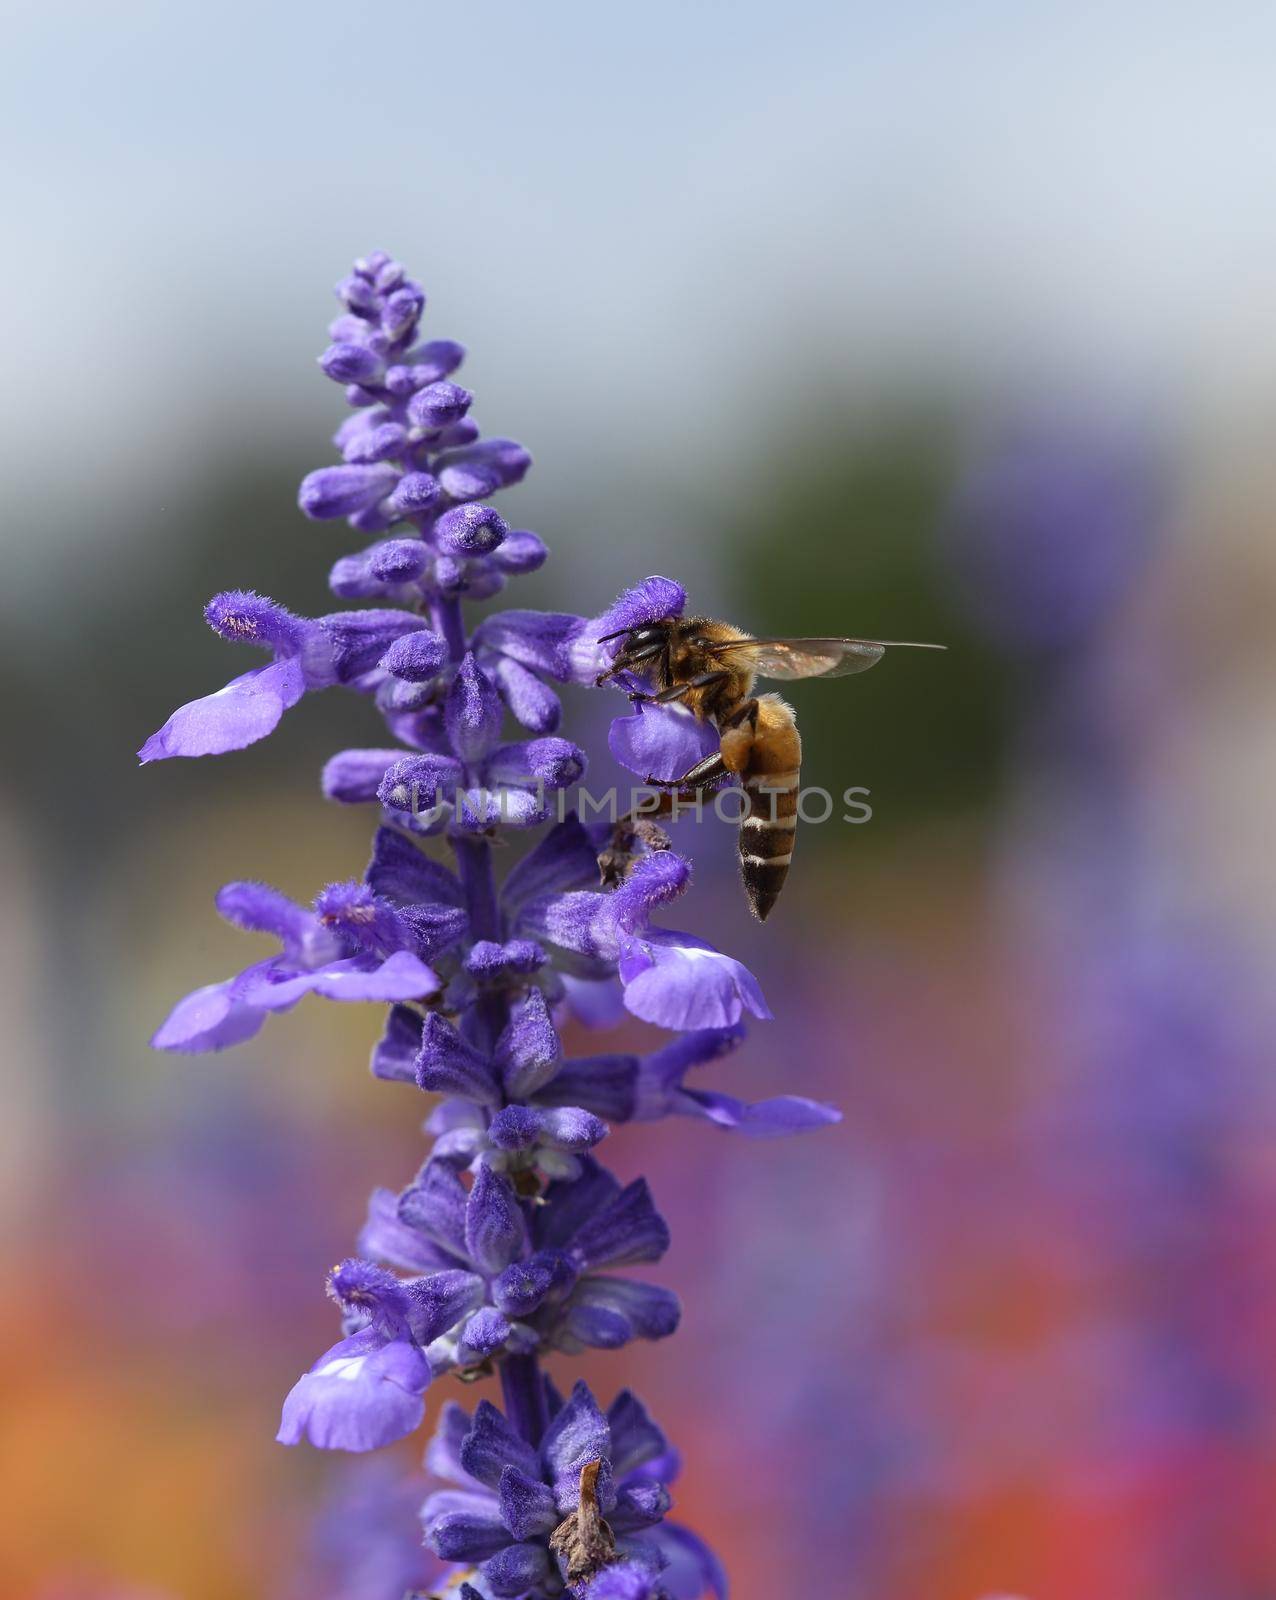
pixel 653 226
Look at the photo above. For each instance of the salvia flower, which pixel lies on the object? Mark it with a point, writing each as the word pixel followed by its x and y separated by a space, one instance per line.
pixel 514 1241
pixel 581 1508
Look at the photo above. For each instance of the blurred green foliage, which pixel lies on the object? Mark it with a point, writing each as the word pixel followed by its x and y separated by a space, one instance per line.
pixel 852 543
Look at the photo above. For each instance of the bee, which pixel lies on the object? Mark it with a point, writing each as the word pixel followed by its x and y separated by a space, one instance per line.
pixel 711 667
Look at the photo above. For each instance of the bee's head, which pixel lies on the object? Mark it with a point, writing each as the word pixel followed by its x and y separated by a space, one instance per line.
pixel 642 643
pixel 639 647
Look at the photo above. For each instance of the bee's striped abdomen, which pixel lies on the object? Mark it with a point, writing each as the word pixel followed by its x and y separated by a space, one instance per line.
pixel 766 837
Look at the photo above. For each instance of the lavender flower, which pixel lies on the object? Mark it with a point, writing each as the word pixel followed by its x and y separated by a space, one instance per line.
pixel 513 1241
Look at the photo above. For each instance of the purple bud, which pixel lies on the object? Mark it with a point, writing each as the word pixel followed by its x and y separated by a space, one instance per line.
pixel 527 1504
pixel 382 443
pixel 401 310
pixel 353 910
pixel 360 638
pixel 554 762
pixel 482 468
pixel 398 560
pixel 358 1286
pixel 418 782
pixel 357 395
pixel 473 712
pixel 372 519
pixel 518 1569
pixel 347 329
pixel 466 431
pixel 447 1065
pixel 242 616
pixel 450 575
pixel 399 381
pixel 350 363
pixel 482 580
pixel 482 1336
pixel 353 776
pixel 526 1285
pixel 258 908
pixel 494 1229
pixel 417 657
pixel 389 275
pixel 357 294
pixel 435 360
pixel 515 1128
pixel 438 1302
pixel 368 266
pixel 468 530
pixel 438 404
pixel 529 1050
pixel 521 552
pixel 489 961
pixel 415 493
pixel 342 491
pixel 571 1128
pixel 381 566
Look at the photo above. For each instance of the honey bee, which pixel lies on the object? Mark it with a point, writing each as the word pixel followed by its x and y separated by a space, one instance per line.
pixel 711 667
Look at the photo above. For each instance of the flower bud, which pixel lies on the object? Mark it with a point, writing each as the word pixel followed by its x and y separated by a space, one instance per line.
pixel 416 657
pixel 398 560
pixel 343 491
pixel 382 443
pixel 438 405
pixel 353 776
pixel 241 615
pixel 435 360
pixel 357 294
pixel 481 469
pixel 350 363
pixel 361 638
pixel 415 493
pixel 470 530
pixel 473 712
pixel 400 311
pixel 521 552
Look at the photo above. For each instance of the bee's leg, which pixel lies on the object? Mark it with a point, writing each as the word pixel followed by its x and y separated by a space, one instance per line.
pixel 698 777
pixel 705 680
pixel 746 711
pixel 639 827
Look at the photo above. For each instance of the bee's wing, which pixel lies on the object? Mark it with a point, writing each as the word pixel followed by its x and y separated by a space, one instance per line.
pixel 814 658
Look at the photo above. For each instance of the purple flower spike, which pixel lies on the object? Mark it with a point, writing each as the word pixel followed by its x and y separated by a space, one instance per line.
pixel 514 1241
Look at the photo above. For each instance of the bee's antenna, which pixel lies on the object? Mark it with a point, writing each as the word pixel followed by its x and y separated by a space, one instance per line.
pixel 619 634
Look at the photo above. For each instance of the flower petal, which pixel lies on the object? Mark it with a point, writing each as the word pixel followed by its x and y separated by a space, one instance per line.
pixel 359 1395
pixel 678 982
pixel 402 976
pixel 661 741
pixel 211 1018
pixel 765 1119
pixel 247 709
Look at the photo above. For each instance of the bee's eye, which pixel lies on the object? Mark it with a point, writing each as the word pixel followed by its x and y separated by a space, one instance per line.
pixel 644 638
